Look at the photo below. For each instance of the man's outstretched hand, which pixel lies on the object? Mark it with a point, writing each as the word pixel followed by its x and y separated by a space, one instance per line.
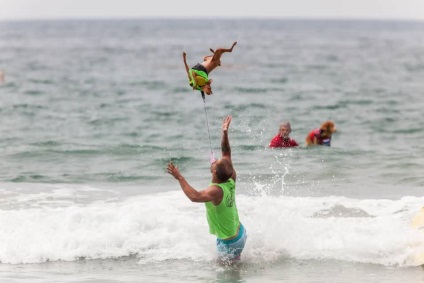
pixel 226 123
pixel 173 170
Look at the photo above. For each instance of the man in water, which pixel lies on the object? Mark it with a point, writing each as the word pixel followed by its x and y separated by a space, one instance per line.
pixel 282 139
pixel 198 75
pixel 220 202
pixel 322 135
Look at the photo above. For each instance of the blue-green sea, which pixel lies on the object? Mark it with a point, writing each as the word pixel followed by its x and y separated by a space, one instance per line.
pixel 91 112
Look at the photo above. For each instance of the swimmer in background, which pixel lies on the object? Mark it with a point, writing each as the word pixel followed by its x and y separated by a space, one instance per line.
pixel 322 135
pixel 282 139
pixel 198 76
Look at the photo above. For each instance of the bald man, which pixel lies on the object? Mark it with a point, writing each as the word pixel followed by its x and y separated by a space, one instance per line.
pixel 220 202
pixel 283 139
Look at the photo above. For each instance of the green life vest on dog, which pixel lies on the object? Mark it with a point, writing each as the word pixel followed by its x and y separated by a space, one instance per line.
pixel 201 77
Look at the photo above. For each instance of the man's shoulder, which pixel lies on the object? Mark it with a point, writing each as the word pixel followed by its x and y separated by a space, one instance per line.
pixel 215 189
pixel 276 141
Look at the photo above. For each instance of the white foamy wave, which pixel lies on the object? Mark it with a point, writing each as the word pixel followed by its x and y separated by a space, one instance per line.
pixel 365 231
pixel 156 227
pixel 168 226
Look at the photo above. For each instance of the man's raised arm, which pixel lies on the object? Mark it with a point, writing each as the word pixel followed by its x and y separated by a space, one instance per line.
pixel 225 143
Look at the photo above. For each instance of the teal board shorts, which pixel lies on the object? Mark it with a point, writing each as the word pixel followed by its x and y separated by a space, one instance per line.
pixel 231 249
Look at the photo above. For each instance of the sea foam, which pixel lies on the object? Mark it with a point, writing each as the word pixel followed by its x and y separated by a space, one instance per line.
pixel 167 226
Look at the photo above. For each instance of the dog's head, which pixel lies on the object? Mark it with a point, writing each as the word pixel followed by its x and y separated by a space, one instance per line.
pixel 207 88
pixel 327 128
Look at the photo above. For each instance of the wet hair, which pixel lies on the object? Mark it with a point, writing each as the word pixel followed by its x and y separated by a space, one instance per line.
pixel 224 170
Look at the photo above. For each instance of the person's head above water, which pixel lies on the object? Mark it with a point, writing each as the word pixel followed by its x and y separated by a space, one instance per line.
pixel 222 169
pixel 285 130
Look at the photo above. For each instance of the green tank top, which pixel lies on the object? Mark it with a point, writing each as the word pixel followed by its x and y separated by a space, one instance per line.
pixel 202 78
pixel 223 219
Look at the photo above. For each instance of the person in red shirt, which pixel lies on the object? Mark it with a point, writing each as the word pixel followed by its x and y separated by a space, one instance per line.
pixel 282 139
pixel 322 135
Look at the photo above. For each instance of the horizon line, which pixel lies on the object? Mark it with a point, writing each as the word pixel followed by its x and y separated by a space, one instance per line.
pixel 226 18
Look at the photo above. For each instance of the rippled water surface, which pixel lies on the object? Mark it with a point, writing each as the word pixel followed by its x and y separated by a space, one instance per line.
pixel 91 112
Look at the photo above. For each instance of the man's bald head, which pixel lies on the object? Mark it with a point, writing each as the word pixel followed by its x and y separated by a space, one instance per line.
pixel 224 170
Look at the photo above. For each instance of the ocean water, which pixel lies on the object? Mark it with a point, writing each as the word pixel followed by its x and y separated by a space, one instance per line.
pixel 92 111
